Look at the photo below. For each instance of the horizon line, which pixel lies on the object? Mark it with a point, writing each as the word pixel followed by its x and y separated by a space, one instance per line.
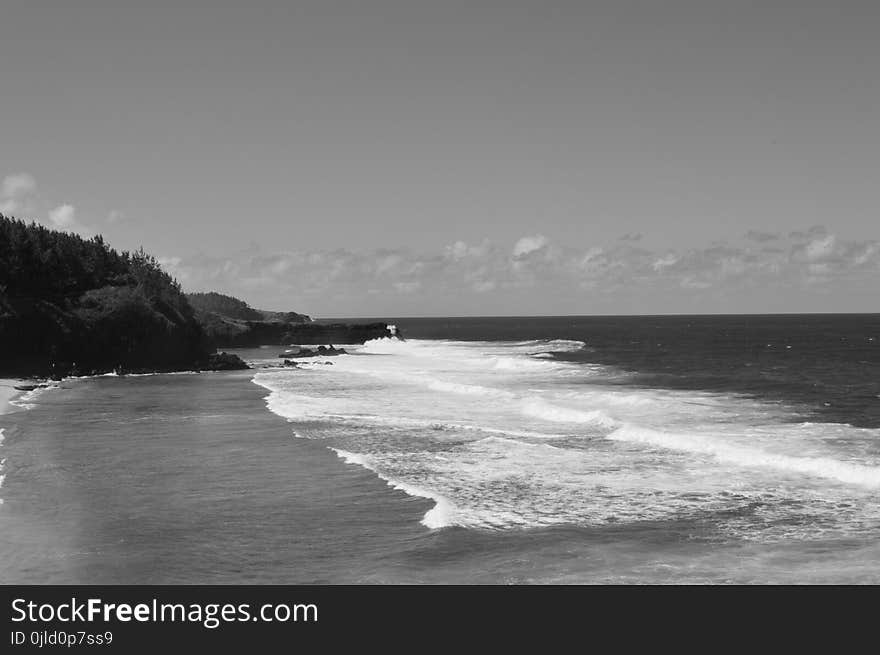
pixel 683 314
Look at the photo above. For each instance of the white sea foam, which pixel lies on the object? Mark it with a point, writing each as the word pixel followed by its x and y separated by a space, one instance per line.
pixel 524 364
pixel 298 407
pixel 468 389
pixel 27 399
pixel 439 516
pixel 545 345
pixel 548 412
pixel 562 345
pixel 522 443
pixel 441 426
pixel 824 467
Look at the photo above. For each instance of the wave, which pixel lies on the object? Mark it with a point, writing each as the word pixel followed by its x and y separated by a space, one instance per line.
pixel 549 345
pixel 525 364
pixel 440 516
pixel 617 398
pixel 26 399
pixel 389 346
pixel 824 467
pixel 502 434
pixel 482 354
pixel 545 411
pixel 567 344
pixel 505 442
pixel 468 389
pixel 448 426
pixel 292 411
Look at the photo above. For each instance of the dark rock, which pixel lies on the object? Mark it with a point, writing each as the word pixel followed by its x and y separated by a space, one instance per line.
pixel 28 387
pixel 322 351
pixel 298 352
pixel 224 362
pixel 235 333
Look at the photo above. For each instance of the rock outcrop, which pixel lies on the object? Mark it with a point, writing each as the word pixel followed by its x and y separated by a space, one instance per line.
pixel 320 351
pixel 229 332
pixel 224 362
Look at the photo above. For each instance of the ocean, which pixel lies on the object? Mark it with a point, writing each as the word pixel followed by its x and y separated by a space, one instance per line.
pixel 680 449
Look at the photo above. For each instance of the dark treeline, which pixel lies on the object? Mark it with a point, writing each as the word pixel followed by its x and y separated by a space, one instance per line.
pixel 74 305
pixel 223 305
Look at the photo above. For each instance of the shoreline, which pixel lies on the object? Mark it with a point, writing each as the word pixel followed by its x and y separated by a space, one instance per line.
pixel 8 393
pixel 214 481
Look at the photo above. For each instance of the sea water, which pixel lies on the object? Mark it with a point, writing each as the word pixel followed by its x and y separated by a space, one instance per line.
pixel 577 450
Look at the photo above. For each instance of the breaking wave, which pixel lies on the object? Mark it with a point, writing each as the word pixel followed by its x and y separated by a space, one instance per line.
pixel 823 467
pixel 498 435
pixel 437 517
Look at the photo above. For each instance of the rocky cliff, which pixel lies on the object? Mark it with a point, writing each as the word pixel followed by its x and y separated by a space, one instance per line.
pixel 227 332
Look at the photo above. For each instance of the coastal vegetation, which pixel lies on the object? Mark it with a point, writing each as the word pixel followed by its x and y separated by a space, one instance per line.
pixel 217 303
pixel 71 305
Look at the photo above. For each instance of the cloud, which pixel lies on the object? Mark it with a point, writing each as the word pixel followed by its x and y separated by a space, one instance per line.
pixel 387 263
pixel 115 216
pixel 819 249
pixel 14 191
pixel 528 245
pixel 18 196
pixel 665 262
pixel 63 217
pixel 18 184
pixel 815 231
pixel 462 250
pixel 169 262
pixel 866 253
pixel 408 287
pixel 479 277
pixel 761 237
pixel 691 283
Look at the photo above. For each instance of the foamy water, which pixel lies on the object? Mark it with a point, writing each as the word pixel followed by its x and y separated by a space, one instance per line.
pixel 27 399
pixel 2 463
pixel 505 435
pixel 630 459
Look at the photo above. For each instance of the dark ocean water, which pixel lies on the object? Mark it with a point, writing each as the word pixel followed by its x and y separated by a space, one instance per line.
pixel 572 449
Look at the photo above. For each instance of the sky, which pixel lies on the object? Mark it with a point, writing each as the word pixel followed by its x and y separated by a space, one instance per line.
pixel 378 158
